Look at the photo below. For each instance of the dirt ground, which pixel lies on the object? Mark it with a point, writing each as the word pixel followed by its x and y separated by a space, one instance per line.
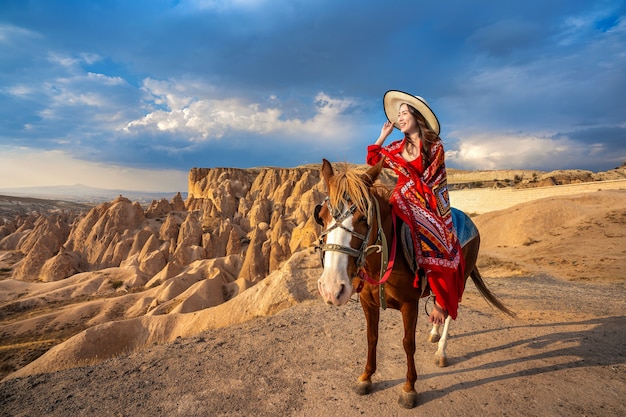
pixel 563 355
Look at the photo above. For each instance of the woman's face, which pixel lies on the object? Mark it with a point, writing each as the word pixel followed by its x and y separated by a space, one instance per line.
pixel 406 121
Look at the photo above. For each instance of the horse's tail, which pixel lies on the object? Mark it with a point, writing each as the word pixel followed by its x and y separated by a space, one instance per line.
pixel 487 294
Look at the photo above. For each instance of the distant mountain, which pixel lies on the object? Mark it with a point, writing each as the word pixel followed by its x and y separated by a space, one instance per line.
pixel 89 195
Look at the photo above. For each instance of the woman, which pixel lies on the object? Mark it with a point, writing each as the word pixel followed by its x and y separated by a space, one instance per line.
pixel 420 197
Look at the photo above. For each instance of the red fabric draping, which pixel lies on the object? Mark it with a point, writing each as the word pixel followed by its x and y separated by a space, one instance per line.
pixel 421 200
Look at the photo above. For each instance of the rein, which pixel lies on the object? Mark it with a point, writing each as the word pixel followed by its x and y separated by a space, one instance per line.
pixel 380 246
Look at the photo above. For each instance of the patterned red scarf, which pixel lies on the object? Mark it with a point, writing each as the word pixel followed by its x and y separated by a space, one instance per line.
pixel 421 200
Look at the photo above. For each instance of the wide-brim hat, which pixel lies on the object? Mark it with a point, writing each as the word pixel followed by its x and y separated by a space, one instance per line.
pixel 394 98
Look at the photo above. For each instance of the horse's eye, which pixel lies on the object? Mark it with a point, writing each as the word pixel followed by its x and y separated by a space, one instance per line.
pixel 316 215
pixel 363 219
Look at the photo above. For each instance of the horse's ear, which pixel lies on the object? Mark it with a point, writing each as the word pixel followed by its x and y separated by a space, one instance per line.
pixel 372 174
pixel 327 170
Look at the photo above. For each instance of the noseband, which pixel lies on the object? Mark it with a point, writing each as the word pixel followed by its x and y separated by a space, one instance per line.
pixel 365 250
pixel 340 216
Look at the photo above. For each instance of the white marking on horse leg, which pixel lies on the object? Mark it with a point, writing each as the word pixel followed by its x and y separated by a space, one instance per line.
pixel 433 336
pixel 440 356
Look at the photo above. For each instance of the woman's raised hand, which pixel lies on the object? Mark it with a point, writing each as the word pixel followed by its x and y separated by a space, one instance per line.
pixel 384 132
pixel 386 129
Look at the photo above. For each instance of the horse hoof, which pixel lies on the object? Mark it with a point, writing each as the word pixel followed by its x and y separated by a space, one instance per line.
pixel 441 361
pixel 433 338
pixel 363 387
pixel 408 399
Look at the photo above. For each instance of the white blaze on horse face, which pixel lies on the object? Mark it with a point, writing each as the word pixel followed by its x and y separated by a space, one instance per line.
pixel 334 285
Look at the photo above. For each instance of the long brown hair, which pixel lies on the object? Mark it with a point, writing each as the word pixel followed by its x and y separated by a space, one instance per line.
pixel 429 136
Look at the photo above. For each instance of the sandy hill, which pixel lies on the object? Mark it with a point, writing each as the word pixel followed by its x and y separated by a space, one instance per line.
pixel 119 280
pixel 520 178
pixel 12 206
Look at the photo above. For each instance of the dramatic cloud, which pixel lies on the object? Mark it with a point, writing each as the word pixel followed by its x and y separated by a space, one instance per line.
pixel 166 86
pixel 189 110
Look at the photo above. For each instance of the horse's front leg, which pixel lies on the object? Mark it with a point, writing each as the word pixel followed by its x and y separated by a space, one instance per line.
pixel 408 397
pixel 372 317
pixel 441 359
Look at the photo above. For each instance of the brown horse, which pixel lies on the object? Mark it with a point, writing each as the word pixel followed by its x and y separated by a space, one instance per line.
pixel 357 222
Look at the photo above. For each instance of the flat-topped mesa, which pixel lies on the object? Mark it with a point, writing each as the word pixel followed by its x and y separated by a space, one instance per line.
pixel 202 180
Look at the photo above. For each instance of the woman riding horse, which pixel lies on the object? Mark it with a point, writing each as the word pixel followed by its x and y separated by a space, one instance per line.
pixel 420 197
pixel 357 224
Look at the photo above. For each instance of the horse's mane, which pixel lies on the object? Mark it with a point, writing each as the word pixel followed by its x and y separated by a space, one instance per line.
pixel 348 182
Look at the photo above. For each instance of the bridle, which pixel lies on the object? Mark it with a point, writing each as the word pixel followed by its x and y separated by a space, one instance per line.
pixel 339 215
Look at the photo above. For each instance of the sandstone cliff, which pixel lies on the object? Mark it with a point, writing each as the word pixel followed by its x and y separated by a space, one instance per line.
pixel 250 213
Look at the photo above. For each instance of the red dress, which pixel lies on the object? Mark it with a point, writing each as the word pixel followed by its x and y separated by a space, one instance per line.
pixel 421 200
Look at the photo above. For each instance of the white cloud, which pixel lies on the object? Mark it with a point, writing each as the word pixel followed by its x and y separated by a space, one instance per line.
pixel 85 95
pixel 578 28
pixel 23 167
pixel 74 98
pixel 8 33
pixel 63 60
pixel 19 90
pixel 73 62
pixel 105 80
pixel 509 151
pixel 189 109
pixel 220 4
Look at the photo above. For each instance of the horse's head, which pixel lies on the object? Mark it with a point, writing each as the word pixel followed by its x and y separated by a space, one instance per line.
pixel 346 218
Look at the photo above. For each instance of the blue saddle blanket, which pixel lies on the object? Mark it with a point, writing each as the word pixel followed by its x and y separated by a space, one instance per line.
pixel 465 228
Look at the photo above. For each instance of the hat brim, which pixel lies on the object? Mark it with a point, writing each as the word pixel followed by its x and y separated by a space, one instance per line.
pixel 394 98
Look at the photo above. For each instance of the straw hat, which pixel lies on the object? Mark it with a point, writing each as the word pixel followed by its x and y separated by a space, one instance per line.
pixel 394 98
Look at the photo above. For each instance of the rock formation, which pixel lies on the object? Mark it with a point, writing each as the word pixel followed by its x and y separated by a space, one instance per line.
pixel 251 214
pixel 118 260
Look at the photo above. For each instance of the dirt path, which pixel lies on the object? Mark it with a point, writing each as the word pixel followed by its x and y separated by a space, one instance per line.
pixel 563 355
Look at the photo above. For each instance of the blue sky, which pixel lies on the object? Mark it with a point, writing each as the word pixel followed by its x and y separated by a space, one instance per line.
pixel 133 94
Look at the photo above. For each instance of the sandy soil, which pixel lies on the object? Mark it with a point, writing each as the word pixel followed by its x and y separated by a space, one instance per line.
pixel 563 355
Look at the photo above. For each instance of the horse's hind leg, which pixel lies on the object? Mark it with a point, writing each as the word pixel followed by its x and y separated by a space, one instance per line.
pixel 441 359
pixel 433 336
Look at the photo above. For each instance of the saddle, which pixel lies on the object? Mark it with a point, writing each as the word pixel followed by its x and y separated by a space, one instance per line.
pixel 465 229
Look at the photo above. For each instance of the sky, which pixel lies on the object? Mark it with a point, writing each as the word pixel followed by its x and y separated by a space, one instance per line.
pixel 125 94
